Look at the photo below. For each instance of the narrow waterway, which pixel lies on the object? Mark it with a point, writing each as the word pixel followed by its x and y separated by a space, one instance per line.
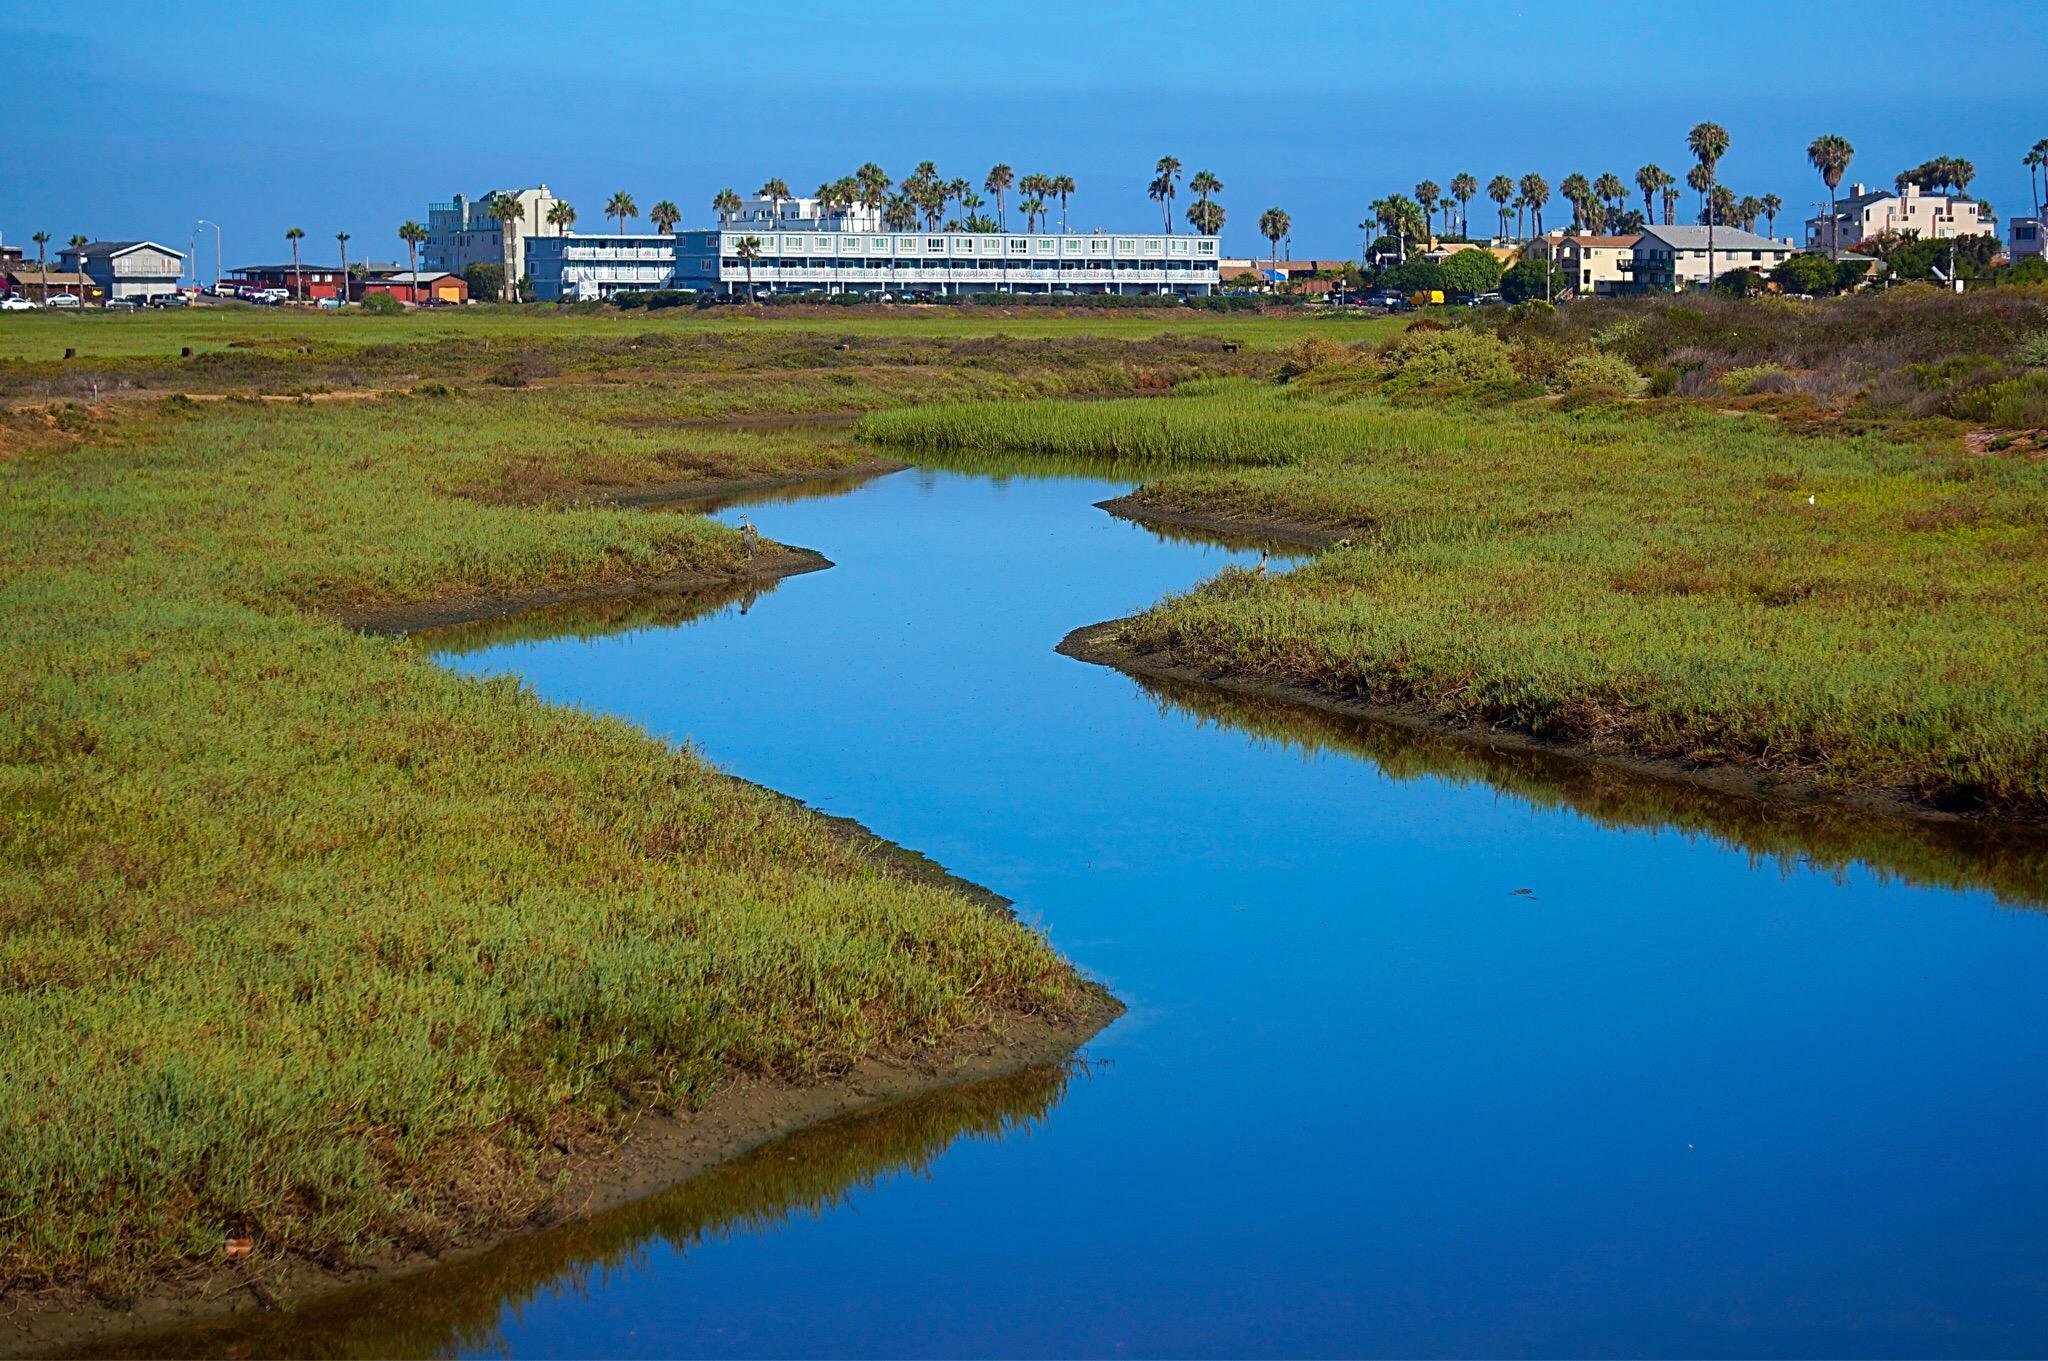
pixel 1428 1051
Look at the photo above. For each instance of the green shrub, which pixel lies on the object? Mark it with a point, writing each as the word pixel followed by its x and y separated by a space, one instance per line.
pixel 382 305
pixel 1756 378
pixel 2032 351
pixel 1471 271
pixel 1527 281
pixel 1598 373
pixel 2016 404
pixel 1447 359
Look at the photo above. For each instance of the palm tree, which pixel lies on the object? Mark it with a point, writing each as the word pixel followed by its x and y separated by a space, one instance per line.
pixel 1428 194
pixel 664 215
pixel 341 239
pixel 1650 179
pixel 1063 185
pixel 874 183
pixel 561 216
pixel 1166 187
pixel 1960 172
pixel 506 209
pixel 1670 195
pixel 1205 215
pixel 1536 189
pixel 622 207
pixel 774 191
pixel 899 214
pixel 294 235
pixel 1031 206
pixel 414 236
pixel 1463 187
pixel 998 181
pixel 42 240
pixel 1577 190
pixel 1830 155
pixel 2037 158
pixel 725 203
pixel 1747 210
pixel 1501 190
pixel 1772 205
pixel 1708 143
pixel 749 250
pixel 1274 224
pixel 1611 191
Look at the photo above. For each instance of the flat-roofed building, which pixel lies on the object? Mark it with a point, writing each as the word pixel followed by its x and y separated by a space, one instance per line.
pixel 462 232
pixel 576 267
pixel 908 264
pixel 2025 239
pixel 1868 213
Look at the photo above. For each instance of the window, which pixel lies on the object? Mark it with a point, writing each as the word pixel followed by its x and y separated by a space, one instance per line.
pixel 935 243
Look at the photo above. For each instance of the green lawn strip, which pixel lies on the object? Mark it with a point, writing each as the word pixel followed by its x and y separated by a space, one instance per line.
pixel 1649 580
pixel 308 938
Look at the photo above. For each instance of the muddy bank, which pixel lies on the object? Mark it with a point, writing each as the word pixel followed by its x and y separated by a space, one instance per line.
pixel 1135 508
pixel 1104 645
pixel 659 1150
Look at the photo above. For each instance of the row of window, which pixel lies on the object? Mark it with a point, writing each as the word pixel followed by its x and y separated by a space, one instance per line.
pixel 861 243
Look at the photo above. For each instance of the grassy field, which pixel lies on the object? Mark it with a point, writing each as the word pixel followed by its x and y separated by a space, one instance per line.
pixel 304 937
pixel 1654 578
pixel 35 336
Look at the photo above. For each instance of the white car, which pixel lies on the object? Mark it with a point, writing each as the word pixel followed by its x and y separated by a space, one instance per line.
pixel 16 304
pixel 63 300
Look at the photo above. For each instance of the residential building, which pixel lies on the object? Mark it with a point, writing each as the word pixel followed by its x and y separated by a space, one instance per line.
pixel 28 282
pixel 306 279
pixel 127 269
pixel 949 263
pixel 1868 213
pixel 437 286
pixel 760 214
pixel 576 267
pixel 1675 258
pixel 1593 266
pixel 2025 238
pixel 462 232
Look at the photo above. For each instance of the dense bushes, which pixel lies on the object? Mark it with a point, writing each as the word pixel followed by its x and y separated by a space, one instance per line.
pixel 656 299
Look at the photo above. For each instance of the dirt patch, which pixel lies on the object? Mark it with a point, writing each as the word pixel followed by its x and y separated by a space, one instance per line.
pixel 1133 507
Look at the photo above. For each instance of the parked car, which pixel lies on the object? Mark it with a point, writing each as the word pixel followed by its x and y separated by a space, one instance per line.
pixel 169 300
pixel 271 297
pixel 329 304
pixel 63 300
pixel 122 305
pixel 16 303
pixel 226 290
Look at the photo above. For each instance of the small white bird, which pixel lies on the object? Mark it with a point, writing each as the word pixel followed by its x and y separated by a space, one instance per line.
pixel 1261 568
pixel 1809 500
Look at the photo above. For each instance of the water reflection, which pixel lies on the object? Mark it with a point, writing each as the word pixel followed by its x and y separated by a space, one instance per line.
pixel 802 1175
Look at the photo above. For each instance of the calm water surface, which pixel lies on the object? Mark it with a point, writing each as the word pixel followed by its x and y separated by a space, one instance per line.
pixel 1428 1051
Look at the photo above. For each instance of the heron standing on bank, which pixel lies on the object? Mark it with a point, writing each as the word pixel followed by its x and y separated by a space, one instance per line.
pixel 750 538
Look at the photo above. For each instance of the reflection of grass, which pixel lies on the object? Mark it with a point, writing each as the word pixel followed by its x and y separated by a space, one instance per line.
pixel 1648 579
pixel 809 1173
pixel 307 938
pixel 2009 862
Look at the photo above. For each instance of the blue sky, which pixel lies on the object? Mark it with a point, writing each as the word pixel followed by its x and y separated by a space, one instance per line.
pixel 132 119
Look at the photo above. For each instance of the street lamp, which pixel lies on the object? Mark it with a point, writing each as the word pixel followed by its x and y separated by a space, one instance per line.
pixel 216 254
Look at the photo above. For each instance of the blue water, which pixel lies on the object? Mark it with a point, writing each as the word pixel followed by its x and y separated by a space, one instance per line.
pixel 1413 1065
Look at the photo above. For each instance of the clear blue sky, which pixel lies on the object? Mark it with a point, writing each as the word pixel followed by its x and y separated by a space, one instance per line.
pixel 134 119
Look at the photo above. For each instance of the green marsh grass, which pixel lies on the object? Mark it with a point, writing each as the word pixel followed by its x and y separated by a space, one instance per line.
pixel 302 936
pixel 1645 578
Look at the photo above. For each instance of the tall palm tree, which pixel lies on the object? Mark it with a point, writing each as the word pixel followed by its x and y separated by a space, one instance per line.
pixel 1501 190
pixel 899 214
pixel 622 207
pixel 1063 185
pixel 414 236
pixel 749 250
pixel 1577 190
pixel 998 181
pixel 1463 188
pixel 1772 205
pixel 1204 214
pixel 1670 197
pixel 726 202
pixel 1960 172
pixel 1830 155
pixel 561 216
pixel 1166 186
pixel 774 191
pixel 1429 193
pixel 294 235
pixel 1651 179
pixel 1611 191
pixel 1274 224
pixel 664 216
pixel 42 240
pixel 2037 158
pixel 1748 209
pixel 341 239
pixel 1536 189
pixel 1708 143
pixel 506 209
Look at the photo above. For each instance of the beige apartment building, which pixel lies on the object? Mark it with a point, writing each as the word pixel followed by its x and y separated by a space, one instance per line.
pixel 462 232
pixel 1592 265
pixel 1868 213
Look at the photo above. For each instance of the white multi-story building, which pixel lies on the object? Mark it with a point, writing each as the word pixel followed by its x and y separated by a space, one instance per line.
pixel 1867 213
pixel 578 267
pixel 828 259
pixel 1676 258
pixel 789 214
pixel 127 269
pixel 462 232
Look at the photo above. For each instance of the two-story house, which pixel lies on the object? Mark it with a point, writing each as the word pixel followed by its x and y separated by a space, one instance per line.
pixel 1868 213
pixel 127 269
